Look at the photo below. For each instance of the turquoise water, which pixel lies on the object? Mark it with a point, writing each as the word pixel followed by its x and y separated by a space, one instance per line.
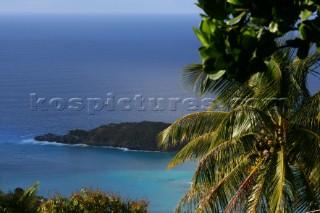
pixel 64 169
pixel 89 57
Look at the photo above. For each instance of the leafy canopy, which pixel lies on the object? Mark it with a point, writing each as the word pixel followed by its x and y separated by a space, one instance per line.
pixel 239 36
pixel 262 154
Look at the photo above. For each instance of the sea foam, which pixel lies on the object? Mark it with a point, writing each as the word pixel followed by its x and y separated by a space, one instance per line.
pixel 47 143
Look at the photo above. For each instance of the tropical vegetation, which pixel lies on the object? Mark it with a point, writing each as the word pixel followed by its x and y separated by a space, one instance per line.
pixel 84 201
pixel 20 200
pixel 239 36
pixel 88 201
pixel 261 153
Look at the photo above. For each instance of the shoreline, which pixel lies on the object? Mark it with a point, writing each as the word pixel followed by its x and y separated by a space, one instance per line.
pixel 45 143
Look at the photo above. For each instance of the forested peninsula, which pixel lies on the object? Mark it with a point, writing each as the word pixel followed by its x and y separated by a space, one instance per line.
pixel 133 136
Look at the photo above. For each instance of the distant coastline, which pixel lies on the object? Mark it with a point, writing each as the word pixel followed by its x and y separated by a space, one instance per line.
pixel 139 136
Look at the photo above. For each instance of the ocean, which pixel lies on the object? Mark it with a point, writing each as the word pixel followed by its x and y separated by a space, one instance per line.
pixel 58 72
pixel 47 62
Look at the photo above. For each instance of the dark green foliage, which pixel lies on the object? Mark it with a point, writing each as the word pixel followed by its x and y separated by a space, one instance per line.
pixel 22 201
pixel 240 35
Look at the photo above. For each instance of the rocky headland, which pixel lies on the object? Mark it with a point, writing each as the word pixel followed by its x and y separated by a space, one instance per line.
pixel 133 136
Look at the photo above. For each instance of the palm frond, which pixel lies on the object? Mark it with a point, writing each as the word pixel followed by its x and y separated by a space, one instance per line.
pixel 281 192
pixel 255 200
pixel 314 179
pixel 266 86
pixel 30 192
pixel 216 198
pixel 195 149
pixel 194 78
pixel 305 148
pixel 246 186
pixel 219 158
pixel 307 195
pixel 191 126
pixel 310 110
pixel 244 119
pixel 190 201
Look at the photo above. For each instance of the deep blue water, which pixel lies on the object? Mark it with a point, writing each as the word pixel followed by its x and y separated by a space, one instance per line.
pixel 88 57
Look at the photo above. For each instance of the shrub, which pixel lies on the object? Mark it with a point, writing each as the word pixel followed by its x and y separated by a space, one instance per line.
pixel 87 201
pixel 84 201
pixel 22 201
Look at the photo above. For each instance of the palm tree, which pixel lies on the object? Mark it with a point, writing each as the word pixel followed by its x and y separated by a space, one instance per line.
pixel 23 201
pixel 260 154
